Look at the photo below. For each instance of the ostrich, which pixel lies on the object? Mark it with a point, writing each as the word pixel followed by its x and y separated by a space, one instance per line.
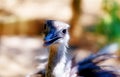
pixel 60 63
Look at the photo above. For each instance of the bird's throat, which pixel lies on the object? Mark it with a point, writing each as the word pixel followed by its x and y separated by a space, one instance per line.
pixel 56 61
pixel 51 60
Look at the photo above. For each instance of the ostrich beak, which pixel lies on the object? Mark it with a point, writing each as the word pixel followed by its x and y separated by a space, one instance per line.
pixel 52 33
pixel 51 38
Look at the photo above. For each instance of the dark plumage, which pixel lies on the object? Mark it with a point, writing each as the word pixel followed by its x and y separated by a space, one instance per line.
pixel 88 68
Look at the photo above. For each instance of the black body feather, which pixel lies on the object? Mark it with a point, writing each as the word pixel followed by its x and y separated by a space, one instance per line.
pixel 89 68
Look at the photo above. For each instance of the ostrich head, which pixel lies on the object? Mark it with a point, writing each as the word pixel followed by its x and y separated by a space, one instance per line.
pixel 56 33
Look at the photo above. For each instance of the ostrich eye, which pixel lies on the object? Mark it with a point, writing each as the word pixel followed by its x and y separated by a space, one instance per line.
pixel 64 31
pixel 46 29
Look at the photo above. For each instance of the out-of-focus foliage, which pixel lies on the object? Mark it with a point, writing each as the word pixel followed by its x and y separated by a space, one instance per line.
pixel 110 22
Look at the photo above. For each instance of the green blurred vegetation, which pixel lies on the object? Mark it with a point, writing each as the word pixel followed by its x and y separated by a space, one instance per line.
pixel 109 25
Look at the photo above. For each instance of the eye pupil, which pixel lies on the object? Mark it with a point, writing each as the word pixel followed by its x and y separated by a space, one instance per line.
pixel 64 31
pixel 46 29
pixel 45 26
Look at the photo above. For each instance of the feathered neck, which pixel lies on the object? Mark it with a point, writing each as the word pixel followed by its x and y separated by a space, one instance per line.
pixel 57 61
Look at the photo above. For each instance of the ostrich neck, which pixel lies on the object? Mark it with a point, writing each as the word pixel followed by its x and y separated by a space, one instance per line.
pixel 57 61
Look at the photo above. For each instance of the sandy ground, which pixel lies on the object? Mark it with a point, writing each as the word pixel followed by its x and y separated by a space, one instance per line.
pixel 19 55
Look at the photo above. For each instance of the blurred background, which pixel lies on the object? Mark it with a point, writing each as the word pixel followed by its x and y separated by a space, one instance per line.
pixel 94 25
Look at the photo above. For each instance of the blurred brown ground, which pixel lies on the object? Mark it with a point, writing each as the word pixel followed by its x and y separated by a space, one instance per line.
pixel 21 30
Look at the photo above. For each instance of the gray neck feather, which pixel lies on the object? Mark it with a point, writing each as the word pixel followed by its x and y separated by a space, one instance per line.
pixel 58 62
